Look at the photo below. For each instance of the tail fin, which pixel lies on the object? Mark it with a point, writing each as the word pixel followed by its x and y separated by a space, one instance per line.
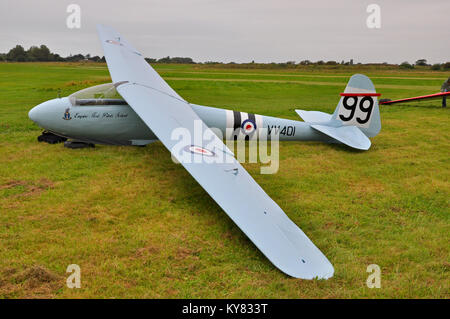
pixel 356 118
pixel 358 106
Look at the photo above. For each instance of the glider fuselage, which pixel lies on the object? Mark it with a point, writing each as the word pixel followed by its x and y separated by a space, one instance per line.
pixel 118 124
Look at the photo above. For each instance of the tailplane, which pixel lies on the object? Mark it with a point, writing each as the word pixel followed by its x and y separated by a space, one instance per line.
pixel 356 117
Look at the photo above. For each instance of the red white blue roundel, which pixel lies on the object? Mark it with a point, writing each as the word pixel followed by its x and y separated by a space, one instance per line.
pixel 199 150
pixel 248 127
pixel 114 42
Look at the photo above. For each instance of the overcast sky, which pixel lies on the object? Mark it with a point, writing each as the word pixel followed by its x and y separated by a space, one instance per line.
pixel 238 30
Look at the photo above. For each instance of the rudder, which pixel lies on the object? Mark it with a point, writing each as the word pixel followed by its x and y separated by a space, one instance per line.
pixel 358 106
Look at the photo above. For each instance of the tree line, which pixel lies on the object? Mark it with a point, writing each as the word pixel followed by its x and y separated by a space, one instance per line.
pixel 423 62
pixel 43 54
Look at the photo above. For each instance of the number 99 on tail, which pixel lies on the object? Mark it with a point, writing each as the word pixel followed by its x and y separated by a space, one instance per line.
pixel 356 108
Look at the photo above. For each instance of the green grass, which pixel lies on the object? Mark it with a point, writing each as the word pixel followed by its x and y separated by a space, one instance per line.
pixel 140 226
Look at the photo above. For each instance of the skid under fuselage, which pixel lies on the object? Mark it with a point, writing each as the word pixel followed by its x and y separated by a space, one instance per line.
pixel 120 125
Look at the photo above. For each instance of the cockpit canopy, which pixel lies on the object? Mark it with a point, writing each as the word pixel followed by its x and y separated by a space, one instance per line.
pixel 103 94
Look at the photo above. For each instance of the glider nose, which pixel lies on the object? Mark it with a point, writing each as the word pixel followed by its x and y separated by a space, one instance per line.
pixel 39 113
pixel 47 113
pixel 33 114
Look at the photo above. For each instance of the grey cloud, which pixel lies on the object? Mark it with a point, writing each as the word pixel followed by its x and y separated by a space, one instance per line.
pixel 240 31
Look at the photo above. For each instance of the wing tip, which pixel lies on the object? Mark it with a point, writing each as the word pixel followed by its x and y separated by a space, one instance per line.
pixel 317 266
pixel 323 271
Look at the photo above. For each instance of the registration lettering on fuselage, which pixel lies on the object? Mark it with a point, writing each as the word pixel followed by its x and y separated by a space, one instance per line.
pixel 281 130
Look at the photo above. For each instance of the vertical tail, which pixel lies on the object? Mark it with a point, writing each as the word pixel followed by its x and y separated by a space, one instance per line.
pixel 358 106
pixel 356 118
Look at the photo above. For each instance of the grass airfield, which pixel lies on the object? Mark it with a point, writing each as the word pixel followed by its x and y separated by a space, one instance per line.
pixel 139 226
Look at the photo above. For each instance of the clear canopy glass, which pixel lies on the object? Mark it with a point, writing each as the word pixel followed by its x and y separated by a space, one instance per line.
pixel 103 94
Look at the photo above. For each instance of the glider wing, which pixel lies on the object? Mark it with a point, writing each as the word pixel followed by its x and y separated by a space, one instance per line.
pixel 209 161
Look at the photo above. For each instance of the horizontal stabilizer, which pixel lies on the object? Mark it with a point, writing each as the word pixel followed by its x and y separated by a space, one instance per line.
pixel 348 135
pixel 314 116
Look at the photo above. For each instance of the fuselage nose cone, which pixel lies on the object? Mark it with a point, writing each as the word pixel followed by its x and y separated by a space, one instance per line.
pixel 32 114
pixel 48 112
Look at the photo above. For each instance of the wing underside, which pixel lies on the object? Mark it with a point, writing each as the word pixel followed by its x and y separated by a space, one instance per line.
pixel 217 171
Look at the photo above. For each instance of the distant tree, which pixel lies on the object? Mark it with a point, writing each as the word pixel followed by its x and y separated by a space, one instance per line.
pixel 94 58
pixel 45 53
pixel 436 67
pixel 290 62
pixel 164 60
pixel 150 60
pixel 406 65
pixel 182 60
pixel 41 53
pixel 320 62
pixel 446 66
pixel 421 62
pixel 305 62
pixel 57 57
pixel 17 54
pixel 342 62
pixel 32 54
pixel 75 58
pixel 2 57
pixel 331 63
pixel 351 61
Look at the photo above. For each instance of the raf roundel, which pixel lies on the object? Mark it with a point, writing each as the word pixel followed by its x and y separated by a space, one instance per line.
pixel 199 150
pixel 248 127
pixel 114 42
